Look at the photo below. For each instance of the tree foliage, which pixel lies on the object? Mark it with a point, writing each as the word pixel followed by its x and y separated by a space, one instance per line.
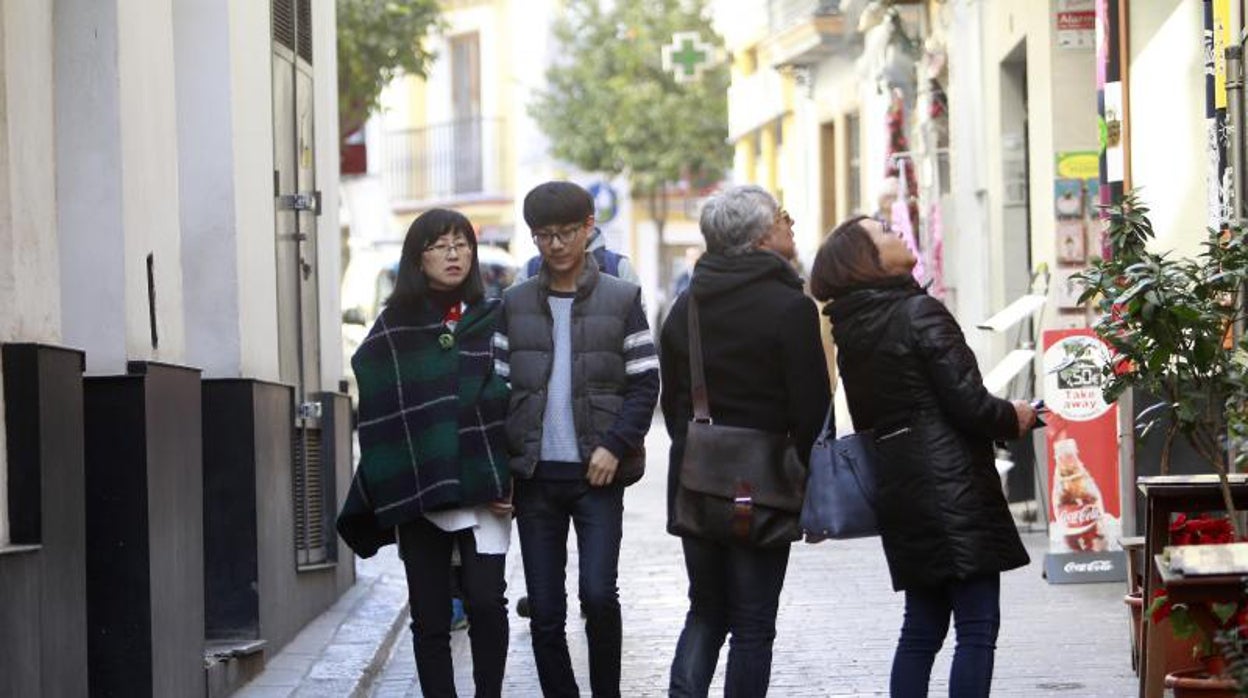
pixel 377 40
pixel 609 106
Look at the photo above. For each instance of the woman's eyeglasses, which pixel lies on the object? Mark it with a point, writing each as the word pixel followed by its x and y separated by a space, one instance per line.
pixel 444 250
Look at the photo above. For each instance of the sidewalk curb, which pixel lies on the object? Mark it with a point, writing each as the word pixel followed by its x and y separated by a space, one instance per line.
pixel 382 655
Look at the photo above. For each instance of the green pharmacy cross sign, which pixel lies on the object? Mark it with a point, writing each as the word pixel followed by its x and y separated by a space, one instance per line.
pixel 687 56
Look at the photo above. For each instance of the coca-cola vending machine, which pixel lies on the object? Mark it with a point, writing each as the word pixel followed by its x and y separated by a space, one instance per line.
pixel 1085 509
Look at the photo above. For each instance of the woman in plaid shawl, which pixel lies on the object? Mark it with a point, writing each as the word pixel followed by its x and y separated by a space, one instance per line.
pixel 433 463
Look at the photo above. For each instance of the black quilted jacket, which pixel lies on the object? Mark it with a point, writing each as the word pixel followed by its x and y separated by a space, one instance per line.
pixel 910 376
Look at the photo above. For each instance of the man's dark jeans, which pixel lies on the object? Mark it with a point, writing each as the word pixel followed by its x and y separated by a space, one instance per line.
pixel 732 589
pixel 976 607
pixel 543 510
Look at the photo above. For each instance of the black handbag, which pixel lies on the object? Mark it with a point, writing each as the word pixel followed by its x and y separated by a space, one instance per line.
pixel 841 491
pixel 737 484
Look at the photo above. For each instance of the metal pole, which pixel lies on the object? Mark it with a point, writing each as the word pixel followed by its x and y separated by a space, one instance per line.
pixel 1235 117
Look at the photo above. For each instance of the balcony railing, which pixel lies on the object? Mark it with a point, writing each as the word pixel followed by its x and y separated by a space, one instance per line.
pixel 457 159
pixel 783 14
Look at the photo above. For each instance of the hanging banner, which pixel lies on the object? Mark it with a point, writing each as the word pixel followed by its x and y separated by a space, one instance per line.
pixel 1076 23
pixel 1085 511
pixel 1218 172
pixel 1111 87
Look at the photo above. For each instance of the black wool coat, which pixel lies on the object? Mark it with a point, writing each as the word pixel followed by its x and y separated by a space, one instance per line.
pixel 762 355
pixel 910 376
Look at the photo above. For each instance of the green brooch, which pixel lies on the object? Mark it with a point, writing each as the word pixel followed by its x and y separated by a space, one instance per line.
pixel 446 340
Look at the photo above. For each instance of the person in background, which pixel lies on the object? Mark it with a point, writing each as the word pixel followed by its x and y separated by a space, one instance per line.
pixel 576 347
pixel 432 467
pixel 764 369
pixel 945 525
pixel 681 283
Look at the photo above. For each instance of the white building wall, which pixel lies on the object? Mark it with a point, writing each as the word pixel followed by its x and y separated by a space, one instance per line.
pixel 1167 106
pixel 207 186
pixel 29 271
pixel 149 194
pixel 89 182
pixel 251 128
pixel 966 230
pixel 325 88
pixel 1005 25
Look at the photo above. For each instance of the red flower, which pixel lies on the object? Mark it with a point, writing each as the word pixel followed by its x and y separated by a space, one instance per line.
pixel 1161 611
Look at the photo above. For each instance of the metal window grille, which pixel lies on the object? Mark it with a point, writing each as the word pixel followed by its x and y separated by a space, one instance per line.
pixel 310 520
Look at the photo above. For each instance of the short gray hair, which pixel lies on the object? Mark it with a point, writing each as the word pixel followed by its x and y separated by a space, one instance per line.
pixel 734 220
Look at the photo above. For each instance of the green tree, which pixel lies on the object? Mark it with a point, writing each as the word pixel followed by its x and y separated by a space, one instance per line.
pixel 377 40
pixel 610 107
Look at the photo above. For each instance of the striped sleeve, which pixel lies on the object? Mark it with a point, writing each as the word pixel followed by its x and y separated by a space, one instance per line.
pixel 639 352
pixel 641 392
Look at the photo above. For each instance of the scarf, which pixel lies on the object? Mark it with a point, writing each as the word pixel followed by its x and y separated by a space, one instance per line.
pixel 431 420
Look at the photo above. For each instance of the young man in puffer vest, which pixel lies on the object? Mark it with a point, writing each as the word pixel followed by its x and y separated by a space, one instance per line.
pixel 576 347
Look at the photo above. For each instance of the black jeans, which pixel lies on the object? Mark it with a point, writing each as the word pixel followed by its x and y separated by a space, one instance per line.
pixel 426 552
pixel 543 510
pixel 976 608
pixel 732 589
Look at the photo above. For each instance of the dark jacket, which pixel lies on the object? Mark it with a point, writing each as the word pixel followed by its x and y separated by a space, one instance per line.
pixel 615 378
pixel 910 376
pixel 762 355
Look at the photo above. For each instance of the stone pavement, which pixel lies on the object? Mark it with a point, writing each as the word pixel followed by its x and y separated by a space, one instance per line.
pixel 837 625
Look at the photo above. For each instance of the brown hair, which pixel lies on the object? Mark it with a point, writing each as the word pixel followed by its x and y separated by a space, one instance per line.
pixel 847 258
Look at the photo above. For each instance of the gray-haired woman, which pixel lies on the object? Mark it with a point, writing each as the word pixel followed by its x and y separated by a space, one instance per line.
pixel 765 369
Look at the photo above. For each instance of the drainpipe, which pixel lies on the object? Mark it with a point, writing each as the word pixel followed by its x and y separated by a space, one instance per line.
pixel 1235 117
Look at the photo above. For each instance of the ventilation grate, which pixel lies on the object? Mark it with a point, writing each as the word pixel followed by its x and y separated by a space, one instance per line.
pixel 284 23
pixel 310 536
pixel 305 30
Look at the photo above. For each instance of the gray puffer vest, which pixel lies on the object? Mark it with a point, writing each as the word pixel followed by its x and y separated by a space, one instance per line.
pixel 599 315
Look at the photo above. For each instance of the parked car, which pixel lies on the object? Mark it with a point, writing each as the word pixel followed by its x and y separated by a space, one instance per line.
pixel 369 280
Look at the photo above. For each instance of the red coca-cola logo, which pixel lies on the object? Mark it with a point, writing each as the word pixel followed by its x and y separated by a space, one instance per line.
pixel 1078 518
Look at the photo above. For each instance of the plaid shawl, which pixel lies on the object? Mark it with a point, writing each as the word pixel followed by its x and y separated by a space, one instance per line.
pixel 431 420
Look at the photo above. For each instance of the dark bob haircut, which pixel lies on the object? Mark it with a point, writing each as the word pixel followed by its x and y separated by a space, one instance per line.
pixel 411 285
pixel 847 259
pixel 557 203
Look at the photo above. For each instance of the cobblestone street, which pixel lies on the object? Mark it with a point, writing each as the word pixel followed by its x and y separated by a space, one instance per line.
pixel 837 625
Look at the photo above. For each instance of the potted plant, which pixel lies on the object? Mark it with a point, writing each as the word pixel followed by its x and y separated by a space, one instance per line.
pixel 1172 325
pixel 1234 644
pixel 1205 625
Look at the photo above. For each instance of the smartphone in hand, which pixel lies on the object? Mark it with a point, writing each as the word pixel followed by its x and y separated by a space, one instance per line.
pixel 1038 406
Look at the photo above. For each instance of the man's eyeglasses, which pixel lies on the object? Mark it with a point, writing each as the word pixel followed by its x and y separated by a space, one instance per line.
pixel 564 234
pixel 782 216
pixel 444 250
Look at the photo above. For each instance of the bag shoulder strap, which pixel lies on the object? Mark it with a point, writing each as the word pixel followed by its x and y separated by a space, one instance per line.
pixel 697 376
pixel 825 434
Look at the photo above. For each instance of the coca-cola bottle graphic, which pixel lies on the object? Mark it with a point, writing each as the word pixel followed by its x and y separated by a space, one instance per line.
pixel 1077 504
